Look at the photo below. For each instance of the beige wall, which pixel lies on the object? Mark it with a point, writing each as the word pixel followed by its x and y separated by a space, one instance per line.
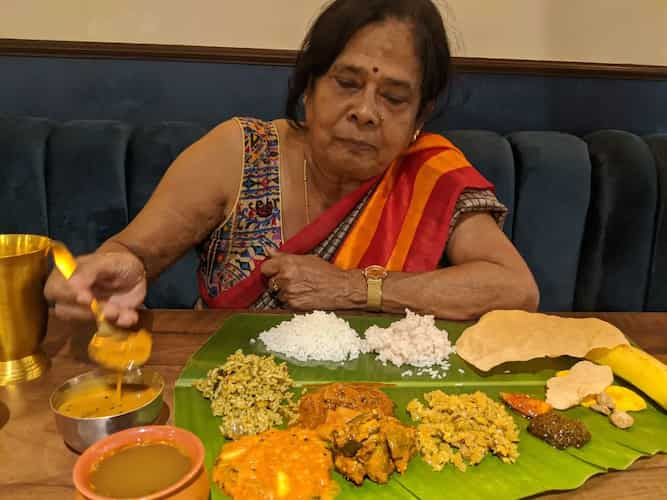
pixel 610 31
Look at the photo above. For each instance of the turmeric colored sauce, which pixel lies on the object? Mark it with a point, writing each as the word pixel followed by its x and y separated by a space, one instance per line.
pixel 103 399
pixel 119 385
pixel 120 352
pixel 291 464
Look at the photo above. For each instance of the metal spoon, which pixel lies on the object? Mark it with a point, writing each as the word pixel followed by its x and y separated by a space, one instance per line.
pixel 112 347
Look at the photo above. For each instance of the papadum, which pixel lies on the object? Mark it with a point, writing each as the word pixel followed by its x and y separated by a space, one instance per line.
pixel 503 336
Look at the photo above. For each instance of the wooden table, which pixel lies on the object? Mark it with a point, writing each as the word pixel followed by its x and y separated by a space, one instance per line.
pixel 35 463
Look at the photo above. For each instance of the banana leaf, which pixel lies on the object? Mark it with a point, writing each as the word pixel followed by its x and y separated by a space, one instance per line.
pixel 539 468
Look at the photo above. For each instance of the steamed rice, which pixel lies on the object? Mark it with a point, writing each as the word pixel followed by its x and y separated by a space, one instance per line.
pixel 414 340
pixel 318 336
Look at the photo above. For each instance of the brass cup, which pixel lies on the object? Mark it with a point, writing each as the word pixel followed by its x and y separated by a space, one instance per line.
pixel 23 308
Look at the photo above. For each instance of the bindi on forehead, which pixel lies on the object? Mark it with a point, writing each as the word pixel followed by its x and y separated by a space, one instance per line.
pixel 385 48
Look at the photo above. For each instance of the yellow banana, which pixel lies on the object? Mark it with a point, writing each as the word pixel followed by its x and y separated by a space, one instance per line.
pixel 637 367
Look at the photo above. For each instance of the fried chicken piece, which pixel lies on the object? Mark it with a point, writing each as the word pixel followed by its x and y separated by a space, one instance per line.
pixel 401 440
pixel 371 444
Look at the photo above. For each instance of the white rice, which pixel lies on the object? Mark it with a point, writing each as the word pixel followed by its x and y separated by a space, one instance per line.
pixel 413 340
pixel 318 336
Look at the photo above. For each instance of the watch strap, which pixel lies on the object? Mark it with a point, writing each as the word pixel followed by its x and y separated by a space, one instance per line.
pixel 374 298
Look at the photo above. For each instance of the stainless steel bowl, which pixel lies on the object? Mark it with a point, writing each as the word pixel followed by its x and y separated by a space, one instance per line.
pixel 80 433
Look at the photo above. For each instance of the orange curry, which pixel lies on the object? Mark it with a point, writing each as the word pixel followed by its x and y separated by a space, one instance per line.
pixel 293 463
pixel 314 406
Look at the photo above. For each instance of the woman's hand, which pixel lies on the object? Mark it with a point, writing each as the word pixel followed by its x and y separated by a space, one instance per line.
pixel 116 279
pixel 307 282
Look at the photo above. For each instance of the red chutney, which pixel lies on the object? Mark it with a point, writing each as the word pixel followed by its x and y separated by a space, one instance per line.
pixel 293 463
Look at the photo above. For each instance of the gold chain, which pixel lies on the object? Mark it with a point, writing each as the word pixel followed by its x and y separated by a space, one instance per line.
pixel 305 189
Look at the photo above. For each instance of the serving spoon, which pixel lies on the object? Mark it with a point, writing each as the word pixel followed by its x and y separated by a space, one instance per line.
pixel 112 347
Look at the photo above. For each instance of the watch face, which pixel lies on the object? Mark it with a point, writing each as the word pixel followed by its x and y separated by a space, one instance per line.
pixel 375 272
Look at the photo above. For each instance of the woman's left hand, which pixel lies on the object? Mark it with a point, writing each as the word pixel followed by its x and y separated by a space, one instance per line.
pixel 308 282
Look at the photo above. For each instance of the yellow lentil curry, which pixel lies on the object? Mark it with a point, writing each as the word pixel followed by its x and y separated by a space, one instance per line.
pixel 102 399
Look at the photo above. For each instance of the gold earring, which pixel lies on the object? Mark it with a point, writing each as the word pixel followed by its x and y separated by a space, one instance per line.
pixel 414 137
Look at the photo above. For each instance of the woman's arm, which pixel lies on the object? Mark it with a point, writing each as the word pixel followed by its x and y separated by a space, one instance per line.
pixel 487 273
pixel 192 198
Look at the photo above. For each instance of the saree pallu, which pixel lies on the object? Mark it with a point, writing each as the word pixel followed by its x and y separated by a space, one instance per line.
pixel 399 220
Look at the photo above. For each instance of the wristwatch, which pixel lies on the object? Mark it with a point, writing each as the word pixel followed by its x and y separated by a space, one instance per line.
pixel 374 275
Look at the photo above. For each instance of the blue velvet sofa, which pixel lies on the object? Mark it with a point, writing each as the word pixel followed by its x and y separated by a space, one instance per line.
pixel 587 199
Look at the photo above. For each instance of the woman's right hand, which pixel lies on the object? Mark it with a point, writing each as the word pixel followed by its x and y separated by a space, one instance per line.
pixel 116 279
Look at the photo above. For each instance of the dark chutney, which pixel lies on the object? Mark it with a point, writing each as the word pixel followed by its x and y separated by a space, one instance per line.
pixel 559 430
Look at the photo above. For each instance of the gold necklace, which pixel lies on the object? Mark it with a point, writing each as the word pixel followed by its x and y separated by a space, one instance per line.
pixel 305 189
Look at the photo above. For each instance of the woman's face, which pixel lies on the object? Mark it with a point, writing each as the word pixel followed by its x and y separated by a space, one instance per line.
pixel 362 113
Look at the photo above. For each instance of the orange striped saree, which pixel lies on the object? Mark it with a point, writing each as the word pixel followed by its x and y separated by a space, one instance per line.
pixel 399 220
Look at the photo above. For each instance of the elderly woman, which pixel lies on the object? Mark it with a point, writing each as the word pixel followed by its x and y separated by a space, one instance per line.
pixel 346 204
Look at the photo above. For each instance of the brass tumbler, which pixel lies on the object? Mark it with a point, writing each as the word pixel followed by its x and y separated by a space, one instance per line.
pixel 23 309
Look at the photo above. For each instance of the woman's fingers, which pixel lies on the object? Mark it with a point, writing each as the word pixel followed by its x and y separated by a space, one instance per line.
pixel 57 290
pixel 272 252
pixel 275 261
pixel 84 297
pixel 131 299
pixel 127 318
pixel 117 281
pixel 122 317
pixel 110 311
pixel 73 312
pixel 113 271
pixel 270 267
pixel 77 289
pixel 119 315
